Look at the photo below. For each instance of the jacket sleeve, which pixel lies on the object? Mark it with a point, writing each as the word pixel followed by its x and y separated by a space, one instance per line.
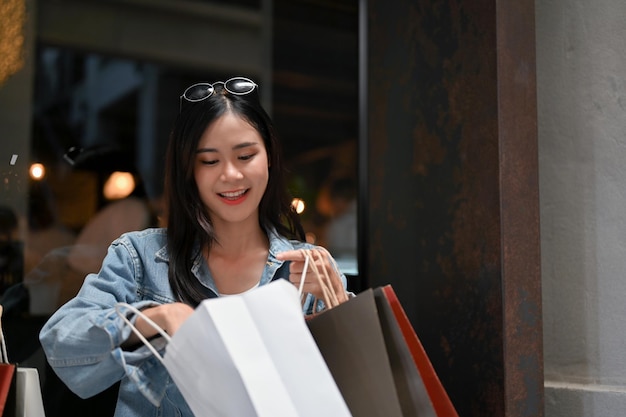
pixel 82 340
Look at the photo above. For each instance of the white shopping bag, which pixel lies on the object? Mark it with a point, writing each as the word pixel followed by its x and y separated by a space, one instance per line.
pixel 29 402
pixel 252 355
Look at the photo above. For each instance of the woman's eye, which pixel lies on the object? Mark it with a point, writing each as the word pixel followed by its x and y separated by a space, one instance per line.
pixel 247 157
pixel 211 162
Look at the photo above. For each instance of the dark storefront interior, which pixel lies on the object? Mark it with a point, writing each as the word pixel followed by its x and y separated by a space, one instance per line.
pixel 391 117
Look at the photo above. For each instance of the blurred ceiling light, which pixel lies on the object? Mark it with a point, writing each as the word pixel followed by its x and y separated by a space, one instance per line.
pixel 37 171
pixel 119 185
pixel 298 205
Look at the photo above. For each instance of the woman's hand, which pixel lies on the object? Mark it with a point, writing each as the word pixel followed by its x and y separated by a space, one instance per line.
pixel 168 317
pixel 322 277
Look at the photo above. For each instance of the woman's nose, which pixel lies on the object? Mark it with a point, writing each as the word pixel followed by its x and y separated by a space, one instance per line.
pixel 231 172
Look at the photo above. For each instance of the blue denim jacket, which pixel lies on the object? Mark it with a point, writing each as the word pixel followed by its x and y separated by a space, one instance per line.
pixel 82 339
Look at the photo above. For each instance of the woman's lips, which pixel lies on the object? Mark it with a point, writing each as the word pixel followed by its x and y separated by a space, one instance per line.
pixel 233 197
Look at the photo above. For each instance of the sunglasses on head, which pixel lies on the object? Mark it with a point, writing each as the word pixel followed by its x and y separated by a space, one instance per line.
pixel 238 86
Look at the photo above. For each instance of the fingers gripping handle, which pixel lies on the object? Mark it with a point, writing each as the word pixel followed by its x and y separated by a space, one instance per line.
pixel 322 275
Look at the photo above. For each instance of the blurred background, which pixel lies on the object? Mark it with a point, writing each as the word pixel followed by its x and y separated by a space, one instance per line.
pixel 94 86
pixel 106 81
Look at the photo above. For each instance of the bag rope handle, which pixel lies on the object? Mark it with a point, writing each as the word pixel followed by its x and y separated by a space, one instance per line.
pixel 137 312
pixel 324 280
pixel 303 276
pixel 4 357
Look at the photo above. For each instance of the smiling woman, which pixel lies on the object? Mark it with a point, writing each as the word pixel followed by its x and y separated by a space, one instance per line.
pixel 230 228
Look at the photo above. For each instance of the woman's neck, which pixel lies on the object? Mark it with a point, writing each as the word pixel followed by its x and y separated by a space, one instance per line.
pixel 234 240
pixel 238 257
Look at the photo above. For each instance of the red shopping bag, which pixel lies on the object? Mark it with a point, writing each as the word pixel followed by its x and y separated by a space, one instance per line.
pixel 7 389
pixel 436 392
pixel 7 378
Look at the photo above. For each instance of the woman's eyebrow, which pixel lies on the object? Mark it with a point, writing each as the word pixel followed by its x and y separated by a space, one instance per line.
pixel 244 145
pixel 202 150
pixel 237 146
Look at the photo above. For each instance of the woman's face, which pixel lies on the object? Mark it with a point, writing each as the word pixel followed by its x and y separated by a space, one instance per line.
pixel 231 170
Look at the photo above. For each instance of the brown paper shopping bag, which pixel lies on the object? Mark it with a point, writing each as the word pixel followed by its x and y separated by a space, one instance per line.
pixel 374 359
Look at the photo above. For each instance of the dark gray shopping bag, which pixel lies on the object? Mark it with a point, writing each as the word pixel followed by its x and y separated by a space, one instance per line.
pixel 377 360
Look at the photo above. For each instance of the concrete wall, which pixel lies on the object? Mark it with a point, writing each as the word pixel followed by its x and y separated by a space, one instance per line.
pixel 581 84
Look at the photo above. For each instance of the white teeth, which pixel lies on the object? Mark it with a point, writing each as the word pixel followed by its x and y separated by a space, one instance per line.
pixel 233 194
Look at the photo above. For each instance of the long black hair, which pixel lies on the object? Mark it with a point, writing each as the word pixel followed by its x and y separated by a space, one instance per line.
pixel 189 227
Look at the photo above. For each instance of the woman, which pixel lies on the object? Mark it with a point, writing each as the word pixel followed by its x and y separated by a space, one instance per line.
pixel 230 228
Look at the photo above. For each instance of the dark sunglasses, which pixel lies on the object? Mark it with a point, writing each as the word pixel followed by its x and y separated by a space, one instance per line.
pixel 238 86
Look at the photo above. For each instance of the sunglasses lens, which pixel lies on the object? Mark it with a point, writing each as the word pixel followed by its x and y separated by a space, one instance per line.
pixel 198 92
pixel 240 85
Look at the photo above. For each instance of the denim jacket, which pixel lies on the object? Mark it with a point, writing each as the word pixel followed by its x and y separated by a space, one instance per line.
pixel 82 339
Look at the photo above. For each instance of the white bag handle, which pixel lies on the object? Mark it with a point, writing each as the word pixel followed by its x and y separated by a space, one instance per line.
pixel 136 311
pixel 4 357
pixel 119 306
pixel 303 276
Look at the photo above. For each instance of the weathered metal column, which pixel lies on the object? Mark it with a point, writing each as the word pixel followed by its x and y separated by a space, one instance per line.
pixel 449 192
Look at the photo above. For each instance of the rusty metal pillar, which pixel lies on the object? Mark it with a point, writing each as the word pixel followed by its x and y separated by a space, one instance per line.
pixel 449 190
